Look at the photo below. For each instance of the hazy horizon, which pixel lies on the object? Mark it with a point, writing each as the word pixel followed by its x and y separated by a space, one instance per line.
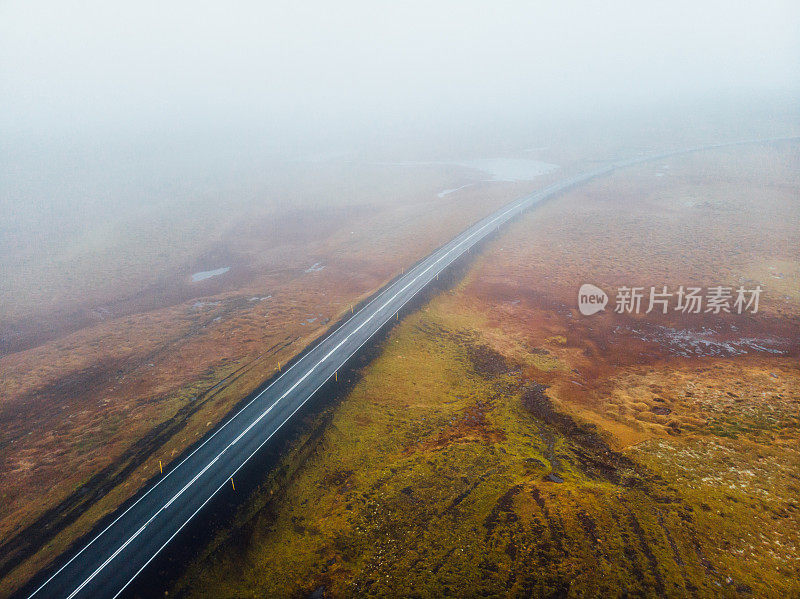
pixel 327 72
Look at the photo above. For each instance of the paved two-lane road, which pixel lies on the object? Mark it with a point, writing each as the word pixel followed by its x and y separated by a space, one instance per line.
pixel 108 563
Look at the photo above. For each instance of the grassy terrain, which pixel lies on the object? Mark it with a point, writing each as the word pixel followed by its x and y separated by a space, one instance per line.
pixel 501 444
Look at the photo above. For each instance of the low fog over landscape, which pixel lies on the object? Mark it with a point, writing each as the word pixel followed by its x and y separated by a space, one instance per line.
pixel 193 194
pixel 114 114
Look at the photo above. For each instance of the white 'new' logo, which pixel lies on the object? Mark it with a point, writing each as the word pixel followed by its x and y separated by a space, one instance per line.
pixel 591 299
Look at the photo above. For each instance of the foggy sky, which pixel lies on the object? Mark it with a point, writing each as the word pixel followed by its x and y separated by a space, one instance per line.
pixel 77 68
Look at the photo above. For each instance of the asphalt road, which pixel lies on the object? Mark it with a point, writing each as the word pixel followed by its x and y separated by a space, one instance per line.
pixel 109 562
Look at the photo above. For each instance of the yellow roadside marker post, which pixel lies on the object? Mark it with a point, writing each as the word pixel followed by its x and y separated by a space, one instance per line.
pixel 351 308
pixel 279 366
pixel 160 467
pixel 336 376
pixel 234 486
